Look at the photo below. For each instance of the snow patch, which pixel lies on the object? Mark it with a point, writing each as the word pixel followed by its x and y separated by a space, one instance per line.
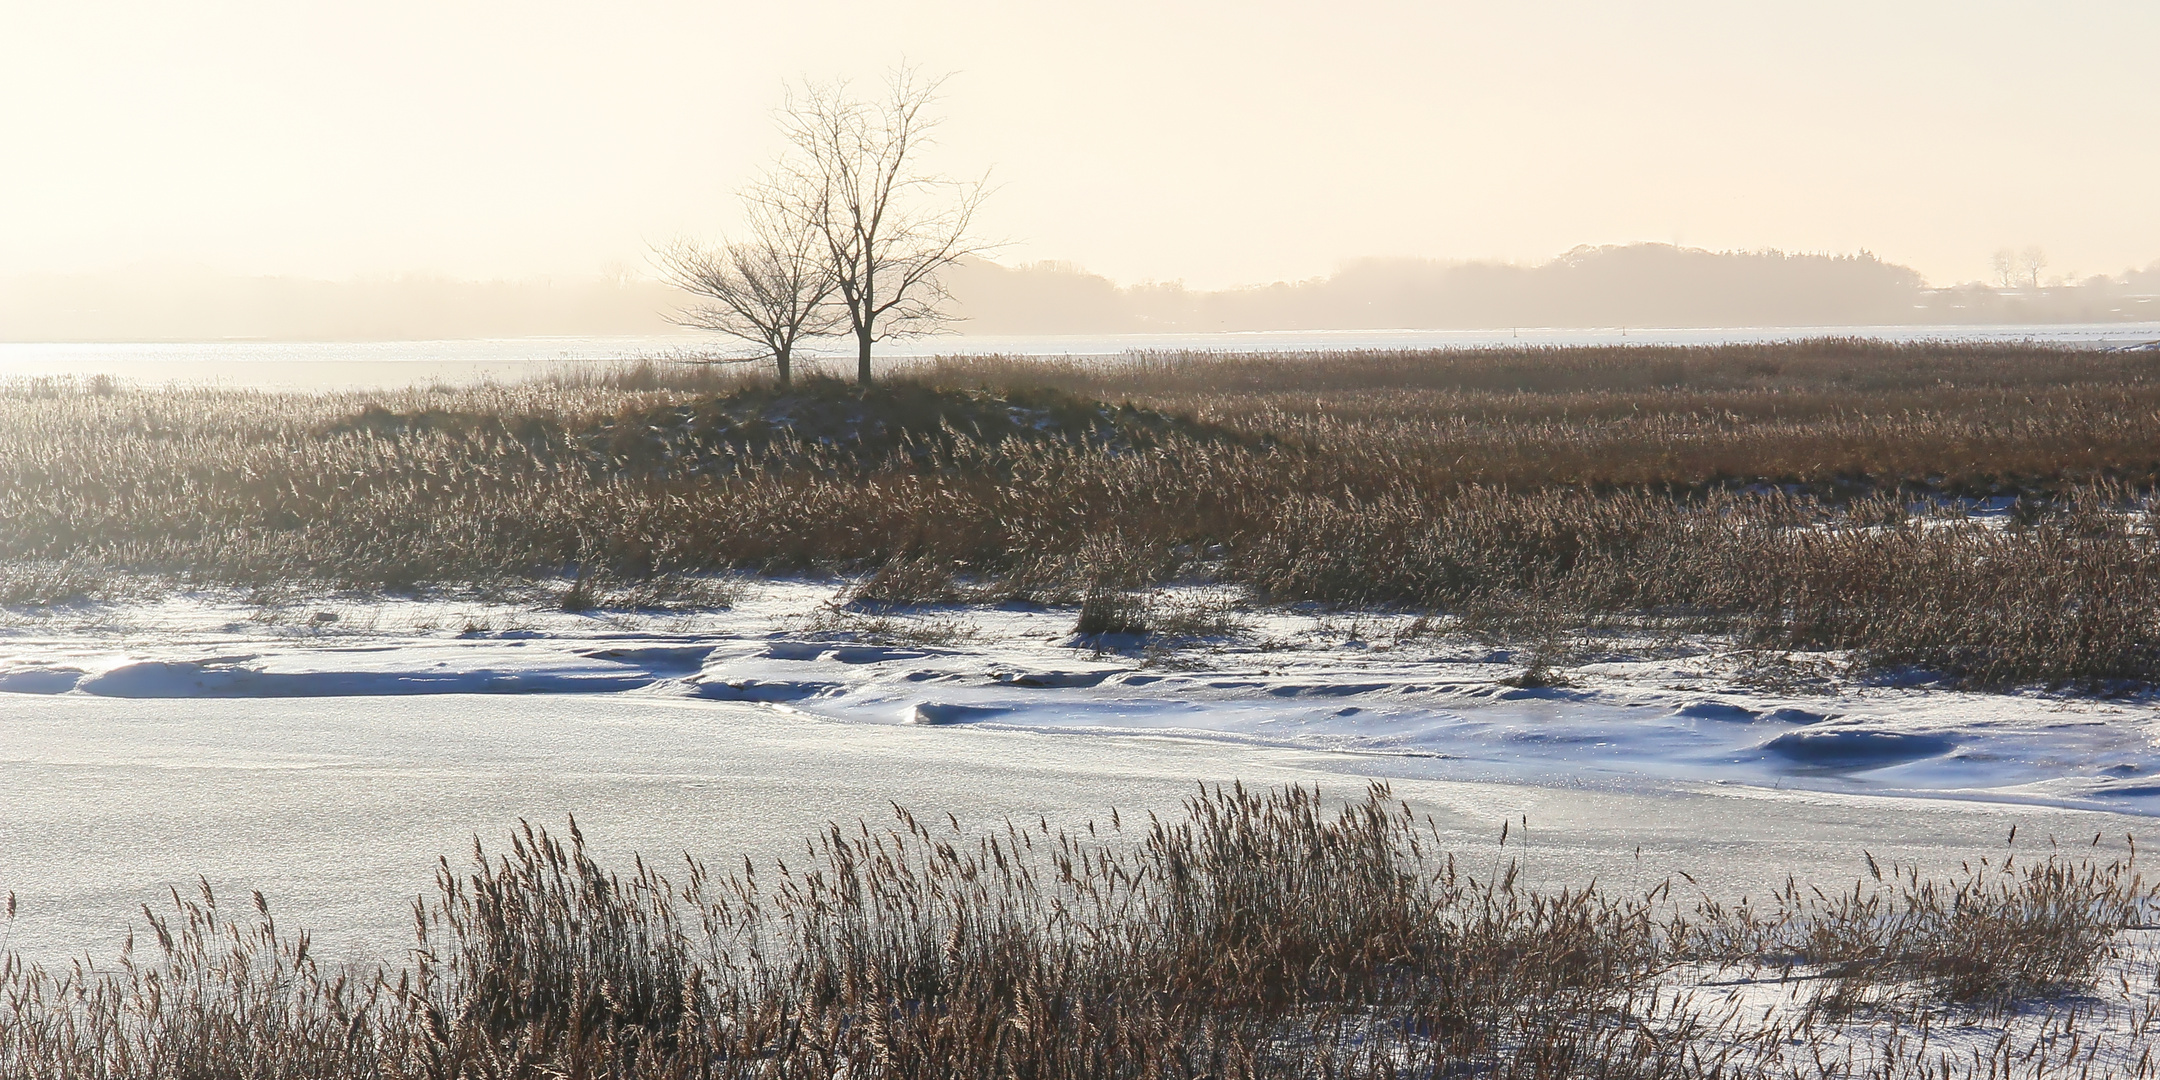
pixel 1051 680
pixel 39 680
pixel 1414 704
pixel 181 679
pixel 1851 748
pixel 937 713
pixel 760 690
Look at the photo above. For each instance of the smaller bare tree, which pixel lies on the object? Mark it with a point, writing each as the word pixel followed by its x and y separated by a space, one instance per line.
pixel 771 290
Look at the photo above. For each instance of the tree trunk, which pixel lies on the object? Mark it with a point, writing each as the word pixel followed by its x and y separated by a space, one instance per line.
pixel 862 356
pixel 781 358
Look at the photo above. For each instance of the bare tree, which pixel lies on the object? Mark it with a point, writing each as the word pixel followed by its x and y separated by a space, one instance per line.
pixel 772 289
pixel 888 227
pixel 2030 262
pixel 2006 267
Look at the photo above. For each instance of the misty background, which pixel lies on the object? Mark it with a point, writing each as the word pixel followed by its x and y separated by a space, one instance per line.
pixel 1640 285
pixel 413 169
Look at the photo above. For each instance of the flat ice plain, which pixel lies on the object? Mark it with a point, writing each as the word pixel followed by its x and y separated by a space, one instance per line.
pixel 327 753
pixel 392 365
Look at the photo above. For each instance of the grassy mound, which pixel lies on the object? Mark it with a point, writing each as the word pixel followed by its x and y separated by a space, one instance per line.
pixel 1765 492
pixel 824 419
pixel 887 421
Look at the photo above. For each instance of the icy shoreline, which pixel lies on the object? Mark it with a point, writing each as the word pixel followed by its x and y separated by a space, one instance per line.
pixel 1377 686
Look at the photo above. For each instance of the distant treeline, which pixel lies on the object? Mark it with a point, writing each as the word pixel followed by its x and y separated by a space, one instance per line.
pixel 1646 285
pixel 1632 285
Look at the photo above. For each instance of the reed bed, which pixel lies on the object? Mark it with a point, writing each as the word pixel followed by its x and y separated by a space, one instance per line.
pixel 1258 934
pixel 1814 496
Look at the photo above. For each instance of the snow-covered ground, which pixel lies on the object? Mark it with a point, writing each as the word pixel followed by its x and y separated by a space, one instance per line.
pixel 327 752
pixel 1388 689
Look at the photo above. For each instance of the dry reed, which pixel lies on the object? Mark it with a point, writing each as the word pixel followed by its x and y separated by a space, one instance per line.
pixel 1257 935
pixel 1798 496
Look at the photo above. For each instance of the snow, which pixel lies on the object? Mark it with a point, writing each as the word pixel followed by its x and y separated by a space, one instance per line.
pixel 329 752
pixel 1373 686
pixel 337 809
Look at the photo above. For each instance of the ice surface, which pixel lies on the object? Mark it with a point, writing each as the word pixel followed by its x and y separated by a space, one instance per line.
pixel 337 810
pixel 319 365
pixel 1364 685
pixel 329 762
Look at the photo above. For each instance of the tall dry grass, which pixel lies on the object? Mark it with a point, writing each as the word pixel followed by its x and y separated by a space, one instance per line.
pixel 1800 496
pixel 1256 935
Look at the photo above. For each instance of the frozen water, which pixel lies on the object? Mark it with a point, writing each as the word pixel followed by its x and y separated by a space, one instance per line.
pixel 338 809
pixel 319 365
pixel 739 732
pixel 1428 707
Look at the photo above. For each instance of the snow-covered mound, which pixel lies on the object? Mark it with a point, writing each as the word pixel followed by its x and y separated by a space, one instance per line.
pixel 1375 686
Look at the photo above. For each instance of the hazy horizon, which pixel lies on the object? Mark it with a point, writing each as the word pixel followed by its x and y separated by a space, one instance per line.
pixel 1644 285
pixel 1208 144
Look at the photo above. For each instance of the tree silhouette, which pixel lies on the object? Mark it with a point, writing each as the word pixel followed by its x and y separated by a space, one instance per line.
pixel 888 227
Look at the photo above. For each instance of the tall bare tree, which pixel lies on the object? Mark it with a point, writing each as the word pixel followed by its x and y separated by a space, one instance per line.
pixel 888 226
pixel 2031 261
pixel 2006 267
pixel 772 289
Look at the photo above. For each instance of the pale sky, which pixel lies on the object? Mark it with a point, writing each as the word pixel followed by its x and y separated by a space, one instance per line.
pixel 1214 143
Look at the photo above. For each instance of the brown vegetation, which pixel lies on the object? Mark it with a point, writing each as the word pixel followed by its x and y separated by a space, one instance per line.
pixel 1800 496
pixel 1259 935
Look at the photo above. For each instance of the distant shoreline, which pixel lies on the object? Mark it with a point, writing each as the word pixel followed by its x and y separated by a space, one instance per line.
pixel 396 364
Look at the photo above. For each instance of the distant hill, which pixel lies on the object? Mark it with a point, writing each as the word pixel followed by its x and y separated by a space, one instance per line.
pixel 1631 285
pixel 1644 285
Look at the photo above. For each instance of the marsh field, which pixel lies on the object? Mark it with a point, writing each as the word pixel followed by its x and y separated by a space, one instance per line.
pixel 1838 570
pixel 1973 511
